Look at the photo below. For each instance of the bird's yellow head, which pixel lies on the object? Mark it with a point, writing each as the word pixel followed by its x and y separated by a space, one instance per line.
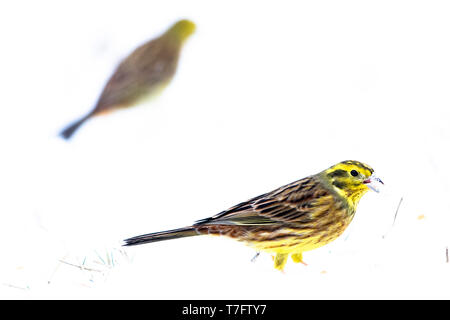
pixel 181 30
pixel 351 179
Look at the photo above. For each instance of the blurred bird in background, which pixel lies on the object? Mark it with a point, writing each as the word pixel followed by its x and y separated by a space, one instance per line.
pixel 141 75
pixel 301 216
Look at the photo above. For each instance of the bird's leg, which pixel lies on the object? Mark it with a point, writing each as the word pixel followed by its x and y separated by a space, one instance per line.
pixel 298 257
pixel 280 260
pixel 256 256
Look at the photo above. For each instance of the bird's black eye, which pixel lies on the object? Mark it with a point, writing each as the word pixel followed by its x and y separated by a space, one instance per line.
pixel 354 173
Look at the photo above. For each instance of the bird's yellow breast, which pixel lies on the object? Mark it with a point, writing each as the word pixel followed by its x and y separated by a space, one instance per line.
pixel 318 233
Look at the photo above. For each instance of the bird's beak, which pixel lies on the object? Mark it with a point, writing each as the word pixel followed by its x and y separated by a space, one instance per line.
pixel 373 182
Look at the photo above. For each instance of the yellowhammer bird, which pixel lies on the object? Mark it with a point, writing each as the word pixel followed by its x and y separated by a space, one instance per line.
pixel 145 72
pixel 301 216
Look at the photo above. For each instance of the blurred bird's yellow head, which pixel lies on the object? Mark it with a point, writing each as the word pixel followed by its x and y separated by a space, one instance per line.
pixel 351 179
pixel 181 30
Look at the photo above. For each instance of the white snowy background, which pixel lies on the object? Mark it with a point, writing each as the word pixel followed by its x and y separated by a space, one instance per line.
pixel 266 92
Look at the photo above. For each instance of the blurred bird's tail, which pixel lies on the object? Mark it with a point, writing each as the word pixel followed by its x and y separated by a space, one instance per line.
pixel 160 236
pixel 69 130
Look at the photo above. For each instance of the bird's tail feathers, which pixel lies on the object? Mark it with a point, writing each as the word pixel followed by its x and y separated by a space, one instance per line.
pixel 163 235
pixel 70 129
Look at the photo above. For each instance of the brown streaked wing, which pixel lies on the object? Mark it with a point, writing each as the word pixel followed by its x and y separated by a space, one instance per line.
pixel 292 203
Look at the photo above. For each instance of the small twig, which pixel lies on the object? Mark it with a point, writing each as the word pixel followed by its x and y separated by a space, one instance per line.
pixel 395 217
pixel 108 258
pixel 15 287
pixel 446 253
pixel 55 270
pixel 112 259
pixel 396 211
pixel 79 267
pixel 256 256
pixel 100 257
